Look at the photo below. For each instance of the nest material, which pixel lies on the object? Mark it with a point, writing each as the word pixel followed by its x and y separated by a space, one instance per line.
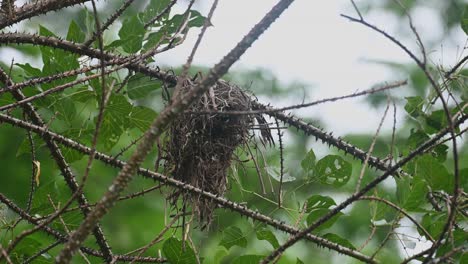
pixel 201 146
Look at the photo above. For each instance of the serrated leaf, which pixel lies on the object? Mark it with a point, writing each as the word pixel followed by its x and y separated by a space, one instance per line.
pixel 131 33
pixel 29 246
pixel 29 71
pixel 142 117
pixel 195 20
pixel 435 121
pixel 56 61
pixel 139 86
pixel 333 170
pixel 154 8
pixel 435 173
pixel 414 105
pixel 115 120
pixel 153 39
pixel 83 94
pixel 417 195
pixel 433 223
pixel 308 163
pixel 233 236
pixel 25 147
pixel 248 259
pixel 55 189
pixel 319 201
pixel 316 214
pixel 65 109
pixel 75 33
pixel 339 240
pixel 275 174
pixel 266 234
pixel 381 213
pixel 176 253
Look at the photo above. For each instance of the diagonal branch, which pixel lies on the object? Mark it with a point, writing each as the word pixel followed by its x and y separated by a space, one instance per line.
pixel 63 238
pixel 186 187
pixel 19 38
pixel 59 159
pixel 158 126
pixel 356 196
pixel 36 8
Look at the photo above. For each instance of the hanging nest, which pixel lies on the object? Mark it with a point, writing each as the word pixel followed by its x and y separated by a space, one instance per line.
pixel 200 146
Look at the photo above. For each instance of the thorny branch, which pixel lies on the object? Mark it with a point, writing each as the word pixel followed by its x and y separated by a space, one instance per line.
pixel 158 126
pixel 423 66
pixel 186 187
pixel 10 14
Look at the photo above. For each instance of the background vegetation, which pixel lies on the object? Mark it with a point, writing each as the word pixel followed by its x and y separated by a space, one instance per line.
pixel 417 214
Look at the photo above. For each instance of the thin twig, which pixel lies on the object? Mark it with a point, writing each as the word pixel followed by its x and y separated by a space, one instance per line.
pixel 371 149
pixel 156 129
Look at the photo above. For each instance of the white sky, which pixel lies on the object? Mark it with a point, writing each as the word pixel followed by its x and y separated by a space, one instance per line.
pixel 311 43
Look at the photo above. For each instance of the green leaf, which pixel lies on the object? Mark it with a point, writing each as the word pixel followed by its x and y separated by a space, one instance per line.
pixel 414 105
pixel 85 20
pixel 29 71
pixel 75 33
pixel 248 259
pixel 29 246
pixel 316 214
pixel 333 170
pixel 232 236
pixel 56 61
pixel 6 99
pixel 140 85
pixel 141 118
pixel 380 211
pixel 435 174
pixel 339 240
pixel 56 189
pixel 83 94
pixel 25 147
pixel 434 223
pixel 220 254
pixel 154 8
pixel 266 234
pixel 131 34
pixel 464 21
pixel 415 139
pixel 308 163
pixel 319 202
pixel 275 173
pixel 65 108
pixel 153 39
pixel 195 20
pixel 115 120
pixel 440 152
pixel 176 253
pixel 298 261
pixel 417 195
pixel 411 192
pixel 436 121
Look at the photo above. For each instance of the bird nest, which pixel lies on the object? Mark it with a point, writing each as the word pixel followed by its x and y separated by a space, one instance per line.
pixel 201 143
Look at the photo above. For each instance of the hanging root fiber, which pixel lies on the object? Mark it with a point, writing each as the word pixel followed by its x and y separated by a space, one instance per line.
pixel 200 146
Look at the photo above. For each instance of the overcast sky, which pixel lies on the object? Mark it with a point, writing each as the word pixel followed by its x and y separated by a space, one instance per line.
pixel 312 43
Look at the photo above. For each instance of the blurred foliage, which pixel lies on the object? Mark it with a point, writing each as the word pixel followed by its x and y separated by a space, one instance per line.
pixel 313 185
